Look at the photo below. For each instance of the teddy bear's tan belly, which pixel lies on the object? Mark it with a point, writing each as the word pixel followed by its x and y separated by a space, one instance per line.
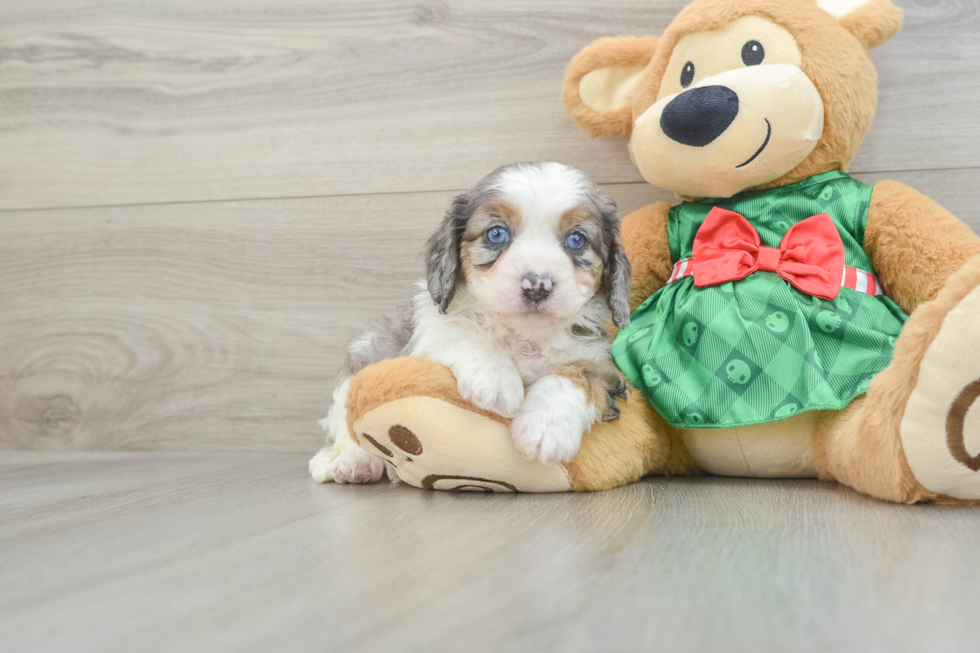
pixel 776 450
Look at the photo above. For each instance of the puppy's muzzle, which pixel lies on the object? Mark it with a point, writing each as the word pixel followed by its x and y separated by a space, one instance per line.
pixel 536 288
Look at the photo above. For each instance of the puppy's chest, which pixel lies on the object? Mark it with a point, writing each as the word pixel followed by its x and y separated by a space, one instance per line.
pixel 535 359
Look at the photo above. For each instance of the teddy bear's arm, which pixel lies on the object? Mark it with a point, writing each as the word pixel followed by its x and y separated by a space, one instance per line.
pixel 647 248
pixel 914 244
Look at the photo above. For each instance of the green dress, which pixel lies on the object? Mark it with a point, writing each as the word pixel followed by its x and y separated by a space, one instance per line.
pixel 758 350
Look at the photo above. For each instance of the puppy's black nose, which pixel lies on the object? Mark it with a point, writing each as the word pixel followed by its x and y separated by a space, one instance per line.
pixel 536 288
pixel 699 116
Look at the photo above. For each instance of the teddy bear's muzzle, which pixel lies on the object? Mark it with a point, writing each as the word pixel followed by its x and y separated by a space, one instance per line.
pixel 699 116
pixel 730 131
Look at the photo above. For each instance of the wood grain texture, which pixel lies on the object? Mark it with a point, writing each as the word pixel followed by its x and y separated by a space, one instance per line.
pixel 117 552
pixel 119 102
pixel 217 326
pixel 195 326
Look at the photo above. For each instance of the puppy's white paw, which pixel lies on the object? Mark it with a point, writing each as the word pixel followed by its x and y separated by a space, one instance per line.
pixel 354 465
pixel 321 465
pixel 550 425
pixel 497 388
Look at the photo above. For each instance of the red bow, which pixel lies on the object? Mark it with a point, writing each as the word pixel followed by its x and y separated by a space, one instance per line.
pixel 810 256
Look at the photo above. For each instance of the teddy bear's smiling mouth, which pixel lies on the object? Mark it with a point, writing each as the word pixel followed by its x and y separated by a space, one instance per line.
pixel 764 143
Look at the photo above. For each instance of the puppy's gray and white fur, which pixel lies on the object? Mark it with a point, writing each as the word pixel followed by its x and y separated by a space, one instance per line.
pixel 505 313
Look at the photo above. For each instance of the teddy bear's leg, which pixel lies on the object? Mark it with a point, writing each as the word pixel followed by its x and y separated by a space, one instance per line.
pixel 915 436
pixel 640 442
pixel 408 412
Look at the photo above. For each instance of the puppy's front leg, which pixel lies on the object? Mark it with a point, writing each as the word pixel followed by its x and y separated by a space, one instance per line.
pixel 490 383
pixel 561 407
pixel 484 376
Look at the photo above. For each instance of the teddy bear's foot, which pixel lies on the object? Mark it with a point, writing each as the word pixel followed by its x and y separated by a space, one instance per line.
pixel 408 412
pixel 915 436
pixel 940 428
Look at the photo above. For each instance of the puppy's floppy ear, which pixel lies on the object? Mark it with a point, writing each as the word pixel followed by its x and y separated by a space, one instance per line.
pixel 600 81
pixel 617 275
pixel 871 22
pixel 442 252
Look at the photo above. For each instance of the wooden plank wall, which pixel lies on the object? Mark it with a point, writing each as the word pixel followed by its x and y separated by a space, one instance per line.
pixel 201 203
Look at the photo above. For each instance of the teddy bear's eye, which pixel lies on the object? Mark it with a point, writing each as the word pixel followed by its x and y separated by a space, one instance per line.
pixel 753 53
pixel 687 75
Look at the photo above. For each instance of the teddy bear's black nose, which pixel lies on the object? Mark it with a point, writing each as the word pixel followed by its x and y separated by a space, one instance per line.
pixel 699 116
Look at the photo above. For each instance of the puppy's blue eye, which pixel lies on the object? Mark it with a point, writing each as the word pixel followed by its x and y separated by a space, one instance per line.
pixel 575 241
pixel 498 235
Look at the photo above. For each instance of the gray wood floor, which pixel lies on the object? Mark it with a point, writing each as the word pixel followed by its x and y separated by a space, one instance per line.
pixel 201 203
pixel 202 552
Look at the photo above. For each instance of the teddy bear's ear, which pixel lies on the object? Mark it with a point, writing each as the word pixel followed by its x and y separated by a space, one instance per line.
pixel 871 22
pixel 600 80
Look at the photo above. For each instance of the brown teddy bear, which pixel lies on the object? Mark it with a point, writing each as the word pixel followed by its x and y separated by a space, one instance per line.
pixel 788 319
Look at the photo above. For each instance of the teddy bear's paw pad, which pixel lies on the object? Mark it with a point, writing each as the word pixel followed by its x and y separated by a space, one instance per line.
pixel 941 426
pixel 466 484
pixel 435 445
